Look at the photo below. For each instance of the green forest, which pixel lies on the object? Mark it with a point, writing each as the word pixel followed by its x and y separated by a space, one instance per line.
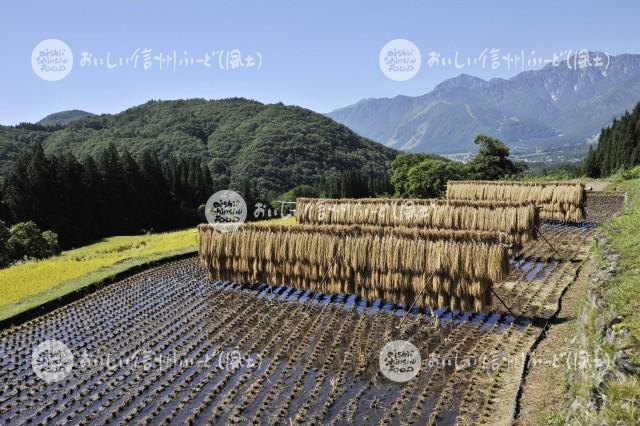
pixel 152 167
pixel 111 194
pixel 618 147
pixel 275 146
pixel 426 175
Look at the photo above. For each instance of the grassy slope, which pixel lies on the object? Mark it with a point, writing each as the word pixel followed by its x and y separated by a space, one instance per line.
pixel 621 295
pixel 30 284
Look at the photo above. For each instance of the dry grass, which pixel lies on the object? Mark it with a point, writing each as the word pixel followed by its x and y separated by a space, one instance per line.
pixel 373 262
pixel 518 220
pixel 558 200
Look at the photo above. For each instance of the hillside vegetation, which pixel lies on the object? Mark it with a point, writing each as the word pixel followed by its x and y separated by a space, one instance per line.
pixel 63 118
pixel 426 175
pixel 606 388
pixel 275 146
pixel 618 147
pixel 16 140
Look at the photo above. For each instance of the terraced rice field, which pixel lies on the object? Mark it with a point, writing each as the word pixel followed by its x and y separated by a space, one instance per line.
pixel 602 205
pixel 160 347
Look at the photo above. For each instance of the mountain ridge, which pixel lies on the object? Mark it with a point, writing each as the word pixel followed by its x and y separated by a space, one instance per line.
pixel 62 118
pixel 534 109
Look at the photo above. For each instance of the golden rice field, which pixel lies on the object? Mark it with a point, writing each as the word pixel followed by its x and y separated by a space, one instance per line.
pixel 31 283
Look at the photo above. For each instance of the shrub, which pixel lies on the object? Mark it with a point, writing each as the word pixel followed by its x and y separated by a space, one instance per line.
pixel 27 241
pixel 630 173
pixel 52 242
pixel 300 191
pixel 429 178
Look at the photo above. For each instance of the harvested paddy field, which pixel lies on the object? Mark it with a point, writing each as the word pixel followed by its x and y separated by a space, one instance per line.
pixel 167 345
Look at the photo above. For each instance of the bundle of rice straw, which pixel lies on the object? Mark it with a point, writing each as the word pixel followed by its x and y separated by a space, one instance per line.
pixel 516 219
pixel 557 200
pixel 373 262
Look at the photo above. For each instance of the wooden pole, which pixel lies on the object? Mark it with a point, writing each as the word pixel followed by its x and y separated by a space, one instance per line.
pixel 503 304
pixel 547 241
pixel 416 299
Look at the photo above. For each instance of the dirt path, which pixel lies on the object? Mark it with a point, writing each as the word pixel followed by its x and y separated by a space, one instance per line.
pixel 596 185
pixel 545 386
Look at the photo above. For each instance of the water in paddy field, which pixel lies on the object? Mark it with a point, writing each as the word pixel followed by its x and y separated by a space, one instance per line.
pixel 318 354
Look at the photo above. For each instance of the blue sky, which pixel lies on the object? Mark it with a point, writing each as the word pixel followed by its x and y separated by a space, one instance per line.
pixel 321 55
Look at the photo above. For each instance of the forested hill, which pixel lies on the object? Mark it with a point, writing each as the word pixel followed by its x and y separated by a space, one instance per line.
pixel 274 146
pixel 14 140
pixel 63 118
pixel 618 146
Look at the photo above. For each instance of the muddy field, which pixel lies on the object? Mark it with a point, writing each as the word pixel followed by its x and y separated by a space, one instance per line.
pixel 168 346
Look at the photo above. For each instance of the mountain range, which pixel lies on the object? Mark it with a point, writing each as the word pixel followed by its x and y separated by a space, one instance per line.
pixel 560 104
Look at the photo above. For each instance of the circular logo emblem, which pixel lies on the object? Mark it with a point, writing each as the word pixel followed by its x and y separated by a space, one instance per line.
pixel 52 59
pixel 51 360
pixel 226 210
pixel 400 361
pixel 400 60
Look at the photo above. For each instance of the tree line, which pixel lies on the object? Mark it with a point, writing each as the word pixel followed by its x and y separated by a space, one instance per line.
pixel 418 175
pixel 346 184
pixel 618 147
pixel 426 175
pixel 114 193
